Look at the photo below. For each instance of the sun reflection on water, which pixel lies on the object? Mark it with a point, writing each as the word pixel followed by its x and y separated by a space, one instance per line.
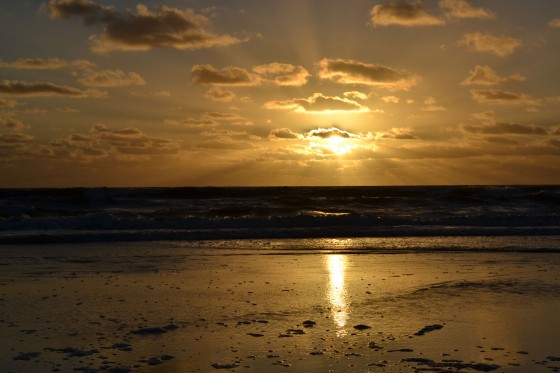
pixel 336 265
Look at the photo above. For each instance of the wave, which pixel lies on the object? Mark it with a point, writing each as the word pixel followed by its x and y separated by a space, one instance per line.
pixel 121 214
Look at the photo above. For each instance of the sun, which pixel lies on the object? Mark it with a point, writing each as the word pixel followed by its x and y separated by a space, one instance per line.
pixel 338 145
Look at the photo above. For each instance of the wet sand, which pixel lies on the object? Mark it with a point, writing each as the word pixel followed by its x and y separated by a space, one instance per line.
pixel 156 307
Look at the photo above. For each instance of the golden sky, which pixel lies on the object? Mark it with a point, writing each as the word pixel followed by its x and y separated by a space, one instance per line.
pixel 270 92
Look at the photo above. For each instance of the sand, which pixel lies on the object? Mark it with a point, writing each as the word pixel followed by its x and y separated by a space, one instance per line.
pixel 158 307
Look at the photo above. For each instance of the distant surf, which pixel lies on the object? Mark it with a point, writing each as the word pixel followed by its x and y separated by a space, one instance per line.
pixel 215 213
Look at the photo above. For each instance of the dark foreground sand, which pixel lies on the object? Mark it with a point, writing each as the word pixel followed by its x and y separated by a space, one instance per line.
pixel 155 307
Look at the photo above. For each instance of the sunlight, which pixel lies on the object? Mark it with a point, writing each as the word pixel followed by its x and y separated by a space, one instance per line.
pixel 336 265
pixel 338 145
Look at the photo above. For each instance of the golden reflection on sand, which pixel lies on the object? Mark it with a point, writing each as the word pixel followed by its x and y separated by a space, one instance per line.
pixel 336 292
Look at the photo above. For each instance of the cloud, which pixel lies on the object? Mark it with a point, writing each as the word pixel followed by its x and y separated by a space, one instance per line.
pixel 432 105
pixel 356 95
pixel 402 14
pixel 462 9
pixel 283 74
pixel 213 119
pixel 355 72
pixel 484 75
pixel 218 94
pixel 280 74
pixel 109 78
pixel 11 123
pixel 8 103
pixel 396 134
pixel 45 89
pixel 283 134
pixel 501 45
pixel 228 76
pixel 506 128
pixel 141 29
pixel 15 138
pixel 325 133
pixel 503 98
pixel 555 22
pixel 49 64
pixel 228 117
pixel 133 141
pixel 391 99
pixel 317 104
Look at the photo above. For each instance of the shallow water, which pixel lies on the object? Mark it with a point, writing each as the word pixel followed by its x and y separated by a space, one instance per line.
pixel 232 303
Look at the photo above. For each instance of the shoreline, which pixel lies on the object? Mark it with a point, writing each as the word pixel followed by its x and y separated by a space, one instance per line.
pixel 152 308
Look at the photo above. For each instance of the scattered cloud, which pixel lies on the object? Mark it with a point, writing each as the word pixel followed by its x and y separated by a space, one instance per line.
pixel 317 104
pixel 396 134
pixel 48 64
pixel 133 141
pixel 109 78
pixel 141 29
pixel 506 128
pixel 213 119
pixel 431 105
pixel 15 138
pixel 501 45
pixel 325 133
pixel 462 9
pixel 503 98
pixel 403 14
pixel 391 99
pixel 45 89
pixel 231 118
pixel 280 74
pixel 555 22
pixel 218 94
pixel 356 95
pixel 283 134
pixel 283 74
pixel 485 116
pixel 484 75
pixel 8 104
pixel 228 76
pixel 355 72
pixel 11 123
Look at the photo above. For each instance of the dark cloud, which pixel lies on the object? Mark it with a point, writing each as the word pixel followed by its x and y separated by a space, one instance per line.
pixel 8 103
pixel 42 64
pixel 15 138
pixel 506 128
pixel 109 78
pixel 503 98
pixel 316 104
pixel 283 74
pixel 142 29
pixel 325 133
pixel 25 89
pixel 355 72
pixel 283 133
pixel 11 123
pixel 228 76
pixel 403 14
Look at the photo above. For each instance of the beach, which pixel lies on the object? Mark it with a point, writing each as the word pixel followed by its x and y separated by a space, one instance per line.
pixel 164 307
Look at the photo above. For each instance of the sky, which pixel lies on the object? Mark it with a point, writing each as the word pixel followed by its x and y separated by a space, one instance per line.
pixel 278 93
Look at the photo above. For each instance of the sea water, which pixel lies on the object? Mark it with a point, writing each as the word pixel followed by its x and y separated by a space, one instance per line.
pixel 374 218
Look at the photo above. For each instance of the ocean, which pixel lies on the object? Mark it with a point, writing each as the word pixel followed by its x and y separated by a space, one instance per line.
pixel 361 218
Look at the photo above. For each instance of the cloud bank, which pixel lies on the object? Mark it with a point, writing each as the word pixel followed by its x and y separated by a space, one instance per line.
pixel 501 46
pixel 142 29
pixel 355 72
